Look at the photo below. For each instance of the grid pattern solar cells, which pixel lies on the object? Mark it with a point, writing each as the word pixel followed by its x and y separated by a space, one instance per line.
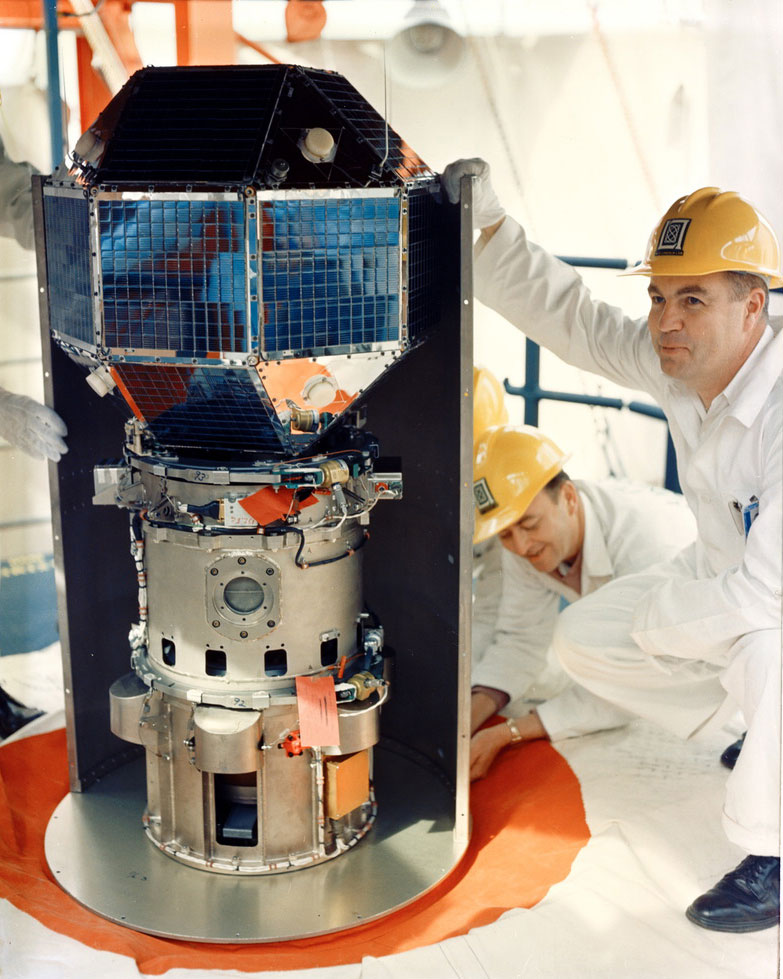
pixel 422 255
pixel 330 273
pixel 371 126
pixel 192 124
pixel 68 267
pixel 174 275
pixel 210 408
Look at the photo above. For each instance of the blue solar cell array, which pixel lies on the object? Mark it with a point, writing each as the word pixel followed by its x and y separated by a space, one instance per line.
pixel 68 267
pixel 174 276
pixel 205 407
pixel 330 273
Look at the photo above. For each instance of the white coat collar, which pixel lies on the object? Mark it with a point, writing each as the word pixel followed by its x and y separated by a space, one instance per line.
pixel 747 392
pixel 744 395
pixel 596 560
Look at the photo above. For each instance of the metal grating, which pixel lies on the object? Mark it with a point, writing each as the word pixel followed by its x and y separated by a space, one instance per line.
pixel 174 276
pixel 68 267
pixel 330 273
pixel 192 124
pixel 205 408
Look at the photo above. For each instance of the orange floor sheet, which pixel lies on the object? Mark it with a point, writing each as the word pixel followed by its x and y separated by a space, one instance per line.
pixel 528 826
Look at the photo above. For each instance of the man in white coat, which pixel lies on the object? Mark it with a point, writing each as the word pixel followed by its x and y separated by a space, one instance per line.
pixel 686 644
pixel 24 422
pixel 560 540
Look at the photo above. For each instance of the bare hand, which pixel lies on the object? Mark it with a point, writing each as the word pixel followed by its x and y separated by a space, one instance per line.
pixel 484 747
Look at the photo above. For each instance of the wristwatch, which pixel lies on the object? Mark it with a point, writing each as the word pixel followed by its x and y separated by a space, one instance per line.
pixel 515 733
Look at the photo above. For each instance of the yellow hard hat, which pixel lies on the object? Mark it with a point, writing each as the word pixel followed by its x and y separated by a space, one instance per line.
pixel 489 408
pixel 708 231
pixel 511 465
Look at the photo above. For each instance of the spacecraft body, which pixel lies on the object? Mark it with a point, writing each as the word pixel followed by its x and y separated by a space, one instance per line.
pixel 236 255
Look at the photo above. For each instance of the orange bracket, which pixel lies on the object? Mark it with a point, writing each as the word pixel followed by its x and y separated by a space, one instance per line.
pixel 304 20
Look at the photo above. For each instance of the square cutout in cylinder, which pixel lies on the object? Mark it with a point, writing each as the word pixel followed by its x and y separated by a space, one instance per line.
pixel 215 662
pixel 169 652
pixel 275 662
pixel 347 783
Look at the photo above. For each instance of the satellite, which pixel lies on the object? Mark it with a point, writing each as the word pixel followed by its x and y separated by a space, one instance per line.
pixel 235 257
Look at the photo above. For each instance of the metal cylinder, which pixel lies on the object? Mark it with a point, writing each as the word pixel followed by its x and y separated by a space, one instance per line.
pixel 230 617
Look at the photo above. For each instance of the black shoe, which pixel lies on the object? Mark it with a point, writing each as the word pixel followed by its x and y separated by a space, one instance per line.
pixel 729 757
pixel 14 715
pixel 746 899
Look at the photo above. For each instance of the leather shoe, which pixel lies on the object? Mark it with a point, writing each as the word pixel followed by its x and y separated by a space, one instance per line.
pixel 729 757
pixel 14 715
pixel 746 899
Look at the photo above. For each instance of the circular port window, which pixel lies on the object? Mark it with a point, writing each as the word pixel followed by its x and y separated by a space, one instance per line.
pixel 243 595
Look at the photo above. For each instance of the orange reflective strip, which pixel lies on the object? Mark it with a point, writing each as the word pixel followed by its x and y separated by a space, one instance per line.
pixel 126 394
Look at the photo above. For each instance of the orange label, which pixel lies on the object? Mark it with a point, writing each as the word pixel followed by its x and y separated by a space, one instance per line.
pixel 318 723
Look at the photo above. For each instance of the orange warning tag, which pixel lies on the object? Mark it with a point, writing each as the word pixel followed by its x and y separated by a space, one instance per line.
pixel 318 723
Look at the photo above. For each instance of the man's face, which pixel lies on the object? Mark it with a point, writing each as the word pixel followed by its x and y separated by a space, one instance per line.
pixel 701 333
pixel 548 532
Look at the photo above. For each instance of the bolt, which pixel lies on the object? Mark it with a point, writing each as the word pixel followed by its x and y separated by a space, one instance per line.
pixel 242 560
pixel 215 624
pixel 271 623
pixel 270 571
pixel 243 634
pixel 213 570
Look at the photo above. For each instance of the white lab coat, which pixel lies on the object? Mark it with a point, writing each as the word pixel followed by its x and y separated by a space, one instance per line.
pixel 628 527
pixel 16 210
pixel 670 643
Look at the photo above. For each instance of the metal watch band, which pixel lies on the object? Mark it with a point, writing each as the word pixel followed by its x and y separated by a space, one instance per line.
pixel 515 733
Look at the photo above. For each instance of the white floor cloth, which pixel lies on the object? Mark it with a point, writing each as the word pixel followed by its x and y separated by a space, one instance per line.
pixel 653 807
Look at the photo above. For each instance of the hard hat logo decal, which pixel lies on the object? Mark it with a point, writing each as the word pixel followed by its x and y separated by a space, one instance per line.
pixel 672 236
pixel 483 497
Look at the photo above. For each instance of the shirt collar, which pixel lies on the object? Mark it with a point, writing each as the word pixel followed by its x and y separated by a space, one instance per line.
pixel 748 390
pixel 596 560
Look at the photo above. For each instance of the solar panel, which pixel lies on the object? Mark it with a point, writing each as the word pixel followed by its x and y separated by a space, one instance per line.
pixel 67 225
pixel 396 156
pixel 422 262
pixel 174 275
pixel 201 124
pixel 205 408
pixel 330 274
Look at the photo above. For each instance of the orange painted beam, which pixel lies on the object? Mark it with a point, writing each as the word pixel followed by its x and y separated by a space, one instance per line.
pixel 29 14
pixel 93 91
pixel 205 32
pixel 115 16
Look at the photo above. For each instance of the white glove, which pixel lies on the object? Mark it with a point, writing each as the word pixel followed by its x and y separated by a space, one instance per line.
pixel 31 426
pixel 487 209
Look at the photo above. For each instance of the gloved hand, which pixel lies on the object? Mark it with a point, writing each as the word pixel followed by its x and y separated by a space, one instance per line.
pixel 31 426
pixel 487 209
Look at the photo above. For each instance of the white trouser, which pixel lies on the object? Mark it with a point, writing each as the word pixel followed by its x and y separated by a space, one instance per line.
pixel 575 711
pixel 593 643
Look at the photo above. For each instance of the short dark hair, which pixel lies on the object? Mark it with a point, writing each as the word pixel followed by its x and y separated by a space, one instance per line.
pixel 556 483
pixel 741 284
